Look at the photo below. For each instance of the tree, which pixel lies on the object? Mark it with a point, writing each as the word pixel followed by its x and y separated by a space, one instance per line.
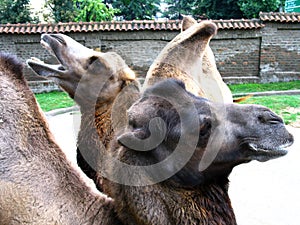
pixel 15 11
pixel 251 8
pixel 220 9
pixel 135 9
pixel 217 9
pixel 61 10
pixel 177 8
pixel 93 10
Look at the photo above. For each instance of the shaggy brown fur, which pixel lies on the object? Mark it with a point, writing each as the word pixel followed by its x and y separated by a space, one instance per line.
pixel 190 195
pixel 37 183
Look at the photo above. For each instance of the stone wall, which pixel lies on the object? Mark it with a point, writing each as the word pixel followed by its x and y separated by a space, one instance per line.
pixel 280 52
pixel 267 54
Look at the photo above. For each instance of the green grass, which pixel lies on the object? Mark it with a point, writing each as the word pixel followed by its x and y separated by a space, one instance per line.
pixel 287 106
pixel 54 100
pixel 281 86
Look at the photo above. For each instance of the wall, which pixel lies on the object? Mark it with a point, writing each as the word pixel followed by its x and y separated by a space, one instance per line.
pixel 267 54
pixel 280 52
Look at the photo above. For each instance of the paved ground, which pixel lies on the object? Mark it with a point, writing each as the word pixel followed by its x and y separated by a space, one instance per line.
pixel 261 193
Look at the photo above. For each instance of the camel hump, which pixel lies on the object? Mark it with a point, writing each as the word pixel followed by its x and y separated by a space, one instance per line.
pixel 210 28
pixel 11 64
pixel 204 29
pixel 187 22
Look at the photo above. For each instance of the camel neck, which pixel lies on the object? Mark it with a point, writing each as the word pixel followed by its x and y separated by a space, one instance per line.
pixel 97 122
pixel 42 178
pixel 209 202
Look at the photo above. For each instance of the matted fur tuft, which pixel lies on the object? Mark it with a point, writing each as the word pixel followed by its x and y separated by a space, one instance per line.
pixel 12 64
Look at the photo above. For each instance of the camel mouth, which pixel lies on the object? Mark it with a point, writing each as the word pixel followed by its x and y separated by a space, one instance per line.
pixel 45 70
pixel 49 42
pixel 263 153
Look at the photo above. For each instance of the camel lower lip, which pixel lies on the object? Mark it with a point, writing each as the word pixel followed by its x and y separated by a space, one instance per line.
pixel 39 67
pixel 264 154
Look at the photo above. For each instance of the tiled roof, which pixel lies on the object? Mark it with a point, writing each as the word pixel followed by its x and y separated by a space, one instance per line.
pixel 280 17
pixel 118 26
pixel 141 25
pixel 89 27
pixel 239 24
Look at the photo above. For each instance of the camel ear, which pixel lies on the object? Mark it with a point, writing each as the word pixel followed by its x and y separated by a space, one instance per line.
pixel 128 74
pixel 187 22
pixel 202 131
pixel 143 139
pixel 133 140
pixel 205 126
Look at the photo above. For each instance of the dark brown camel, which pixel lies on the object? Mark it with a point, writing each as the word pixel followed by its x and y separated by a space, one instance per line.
pixel 37 183
pixel 175 169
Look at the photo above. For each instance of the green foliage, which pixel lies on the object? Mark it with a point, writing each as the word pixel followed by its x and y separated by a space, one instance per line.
pixel 15 11
pixel 251 8
pixel 61 10
pixel 177 8
pixel 135 9
pixel 93 10
pixel 220 9
pixel 217 9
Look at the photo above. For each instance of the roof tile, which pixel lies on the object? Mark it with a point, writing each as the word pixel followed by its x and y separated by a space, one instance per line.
pixel 138 25
pixel 279 17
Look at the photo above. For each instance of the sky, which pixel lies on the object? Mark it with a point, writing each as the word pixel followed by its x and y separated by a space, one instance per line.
pixel 37 4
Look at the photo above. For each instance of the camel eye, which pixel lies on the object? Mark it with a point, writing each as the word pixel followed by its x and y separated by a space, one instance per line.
pixel 61 68
pixel 205 128
pixel 92 60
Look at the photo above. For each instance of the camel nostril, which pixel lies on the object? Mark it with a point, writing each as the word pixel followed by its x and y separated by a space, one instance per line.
pixel 58 38
pixel 261 119
pixel 291 138
pixel 270 118
pixel 275 121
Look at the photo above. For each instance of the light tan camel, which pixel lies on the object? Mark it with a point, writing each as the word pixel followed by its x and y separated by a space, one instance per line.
pixel 37 183
pixel 101 84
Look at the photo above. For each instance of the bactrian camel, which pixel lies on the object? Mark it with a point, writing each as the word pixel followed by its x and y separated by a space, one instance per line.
pixel 178 152
pixel 38 185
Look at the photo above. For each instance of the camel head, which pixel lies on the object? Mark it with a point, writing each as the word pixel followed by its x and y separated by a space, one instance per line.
pixel 194 140
pixel 86 75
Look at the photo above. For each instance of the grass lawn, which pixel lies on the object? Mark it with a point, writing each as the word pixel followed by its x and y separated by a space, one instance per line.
pixel 281 86
pixel 54 100
pixel 287 106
